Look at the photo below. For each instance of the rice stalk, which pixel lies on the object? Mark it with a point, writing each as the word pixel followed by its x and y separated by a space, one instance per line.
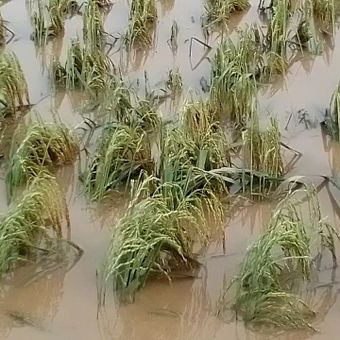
pixel 31 221
pixel 42 146
pixel 142 18
pixel 13 86
pixel 266 289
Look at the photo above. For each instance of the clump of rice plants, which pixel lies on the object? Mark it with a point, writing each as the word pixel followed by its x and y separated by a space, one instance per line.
pixel 93 31
pixel 174 82
pixel 324 11
pixel 233 89
pixel 277 35
pixel 123 152
pixel 219 11
pixel 266 289
pixel 142 18
pixel 262 153
pixel 41 146
pixel 48 21
pixel 31 221
pixel 86 68
pixel 121 104
pixel 168 214
pixel 13 86
pixel 156 234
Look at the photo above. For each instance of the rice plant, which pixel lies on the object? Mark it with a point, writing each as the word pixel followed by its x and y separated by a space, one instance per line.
pixel 31 221
pixel 13 86
pixel 220 11
pixel 40 147
pixel 142 18
pixel 123 152
pixel 233 85
pixel 262 153
pixel 156 234
pixel 266 289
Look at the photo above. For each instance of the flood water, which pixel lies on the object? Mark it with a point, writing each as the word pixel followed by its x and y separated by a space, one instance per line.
pixel 62 304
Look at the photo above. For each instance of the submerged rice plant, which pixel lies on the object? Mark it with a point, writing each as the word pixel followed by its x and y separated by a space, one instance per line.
pixel 123 152
pixel 142 18
pixel 266 289
pixel 13 86
pixel 262 153
pixel 41 146
pixel 31 221
pixel 220 11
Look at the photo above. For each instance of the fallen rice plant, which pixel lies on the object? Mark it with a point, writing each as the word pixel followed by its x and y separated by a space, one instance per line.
pixel 156 234
pixel 13 86
pixel 31 221
pixel 274 267
pixel 142 18
pixel 40 147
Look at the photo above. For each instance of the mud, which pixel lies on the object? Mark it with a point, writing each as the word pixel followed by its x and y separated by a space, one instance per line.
pixel 62 304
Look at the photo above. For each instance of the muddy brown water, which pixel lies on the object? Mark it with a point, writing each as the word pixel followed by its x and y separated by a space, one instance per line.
pixel 62 304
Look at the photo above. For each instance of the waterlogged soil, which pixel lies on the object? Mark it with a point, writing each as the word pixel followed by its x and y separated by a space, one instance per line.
pixel 48 302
